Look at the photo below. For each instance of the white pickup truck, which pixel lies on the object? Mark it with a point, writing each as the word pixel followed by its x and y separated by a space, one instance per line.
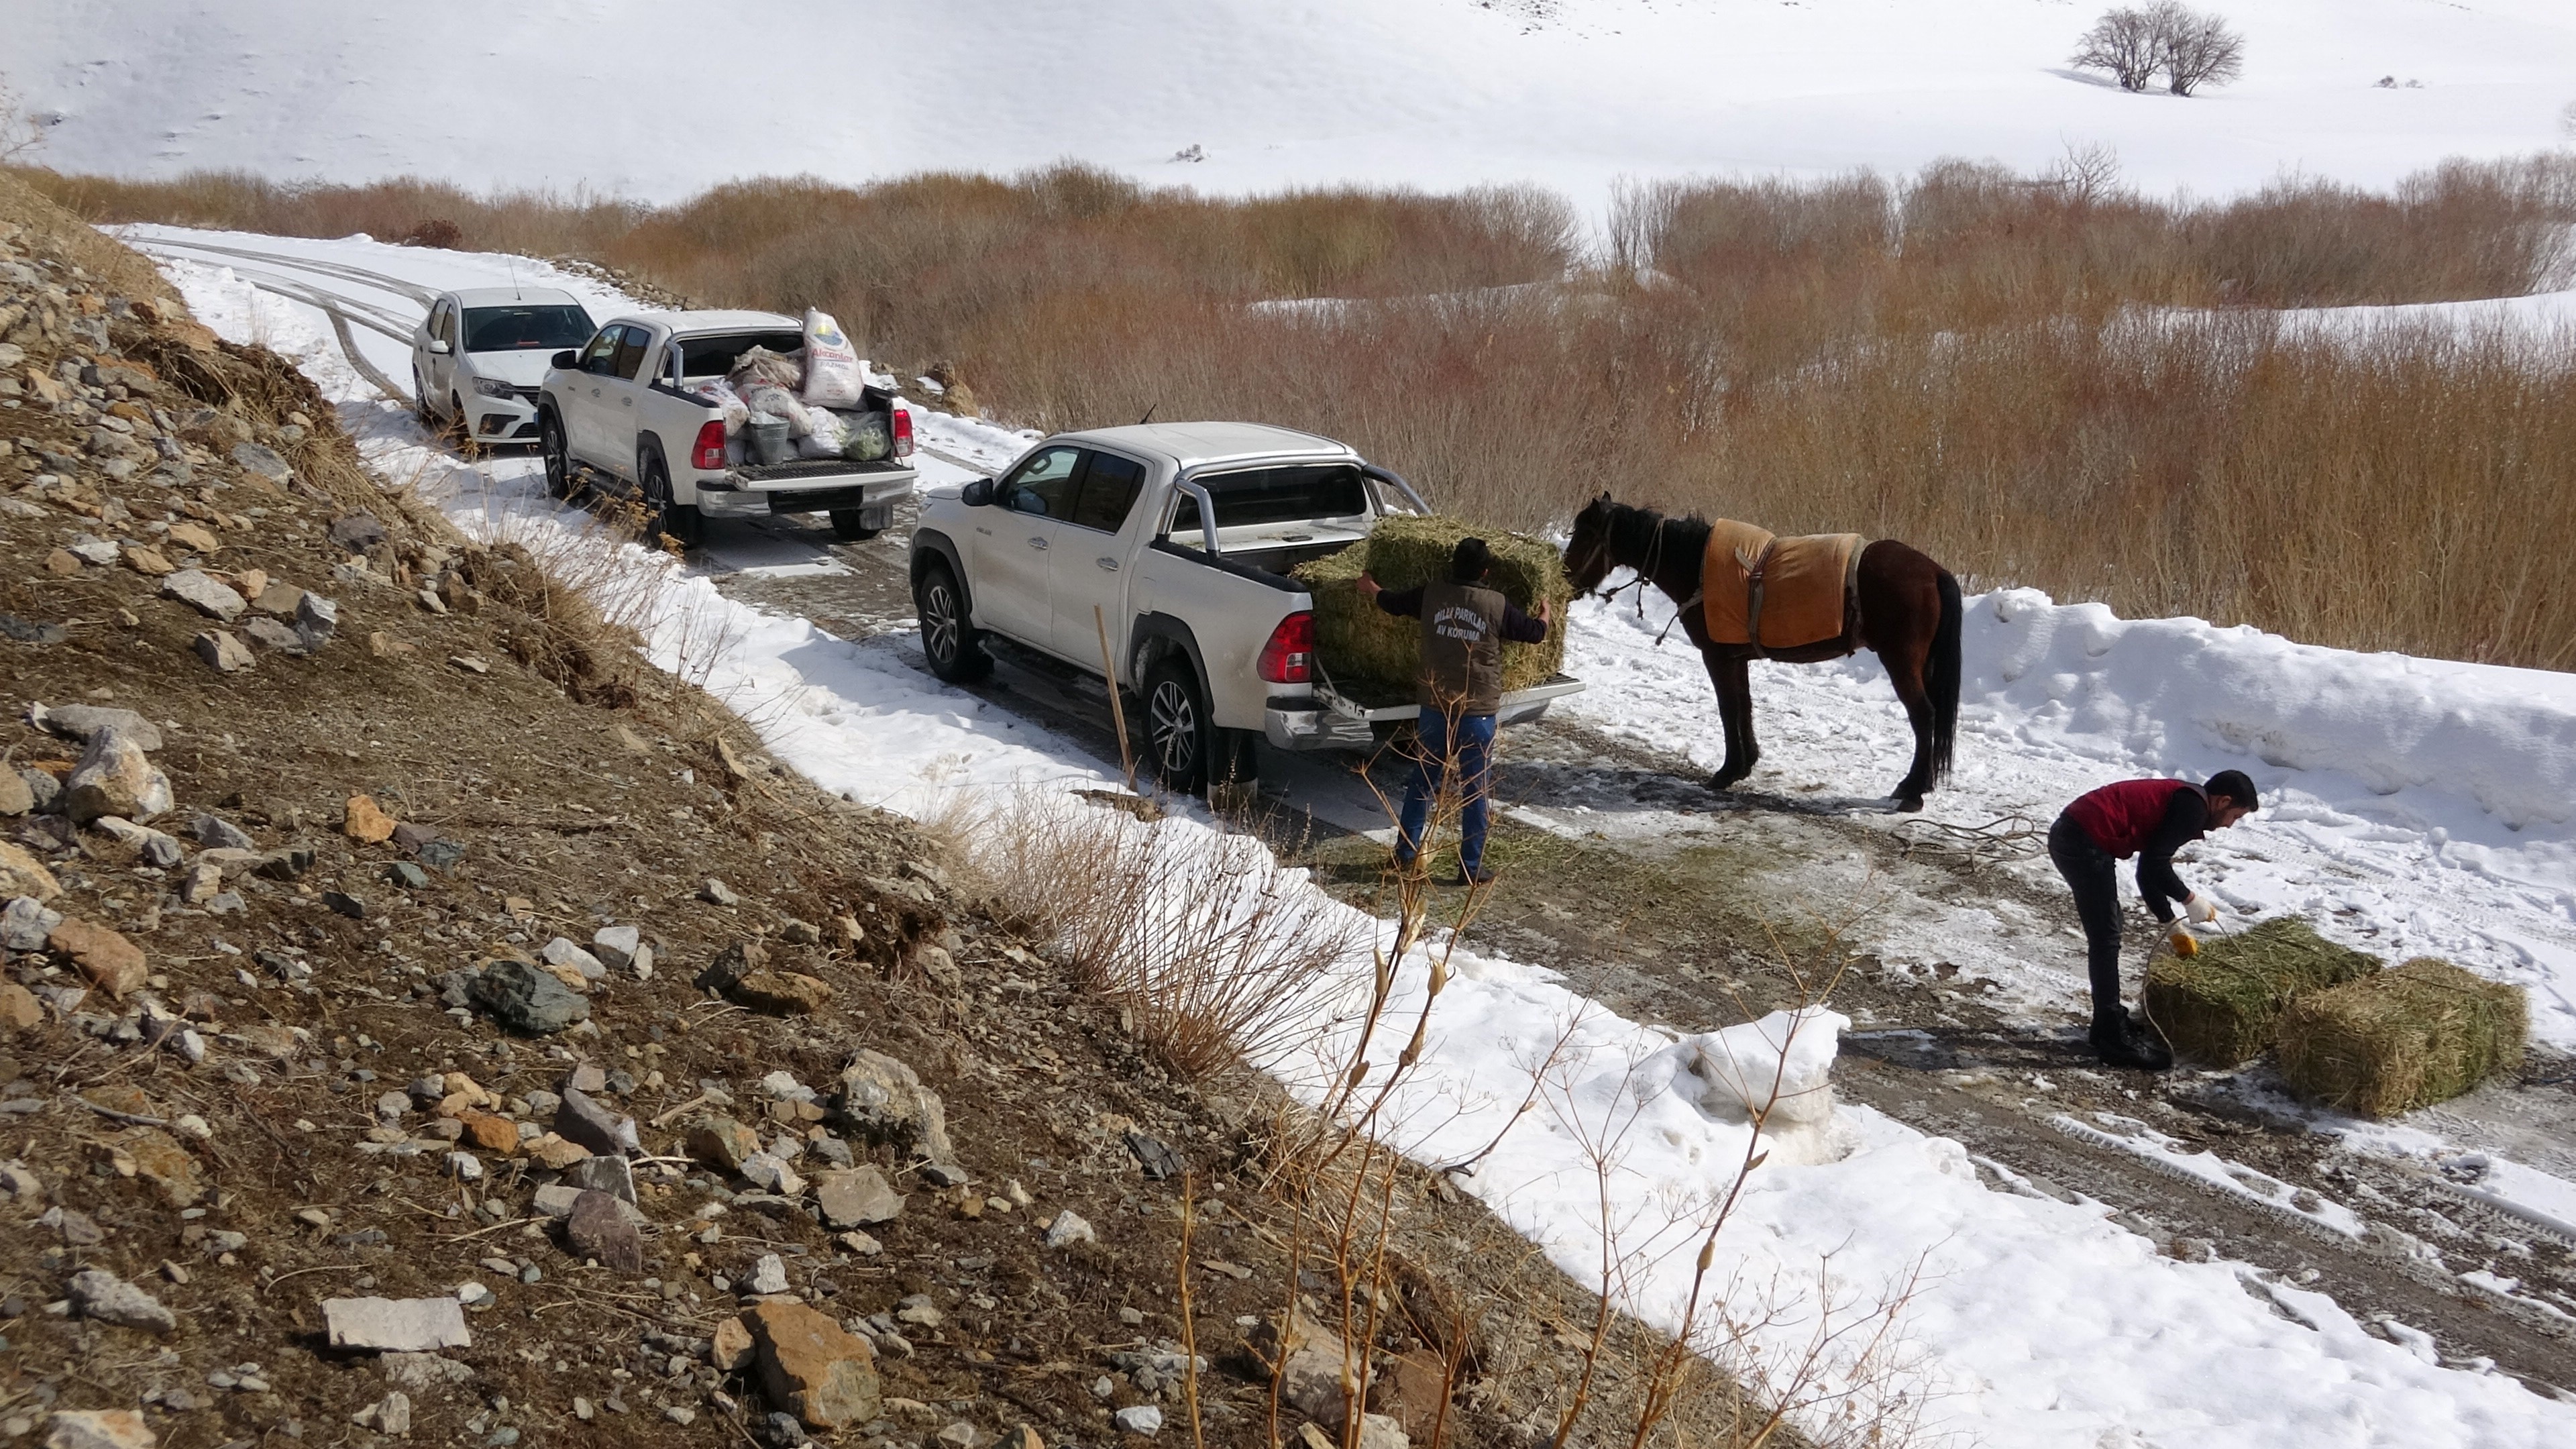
pixel 622 404
pixel 1181 535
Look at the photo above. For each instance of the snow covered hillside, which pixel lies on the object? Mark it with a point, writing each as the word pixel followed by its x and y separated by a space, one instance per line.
pixel 659 100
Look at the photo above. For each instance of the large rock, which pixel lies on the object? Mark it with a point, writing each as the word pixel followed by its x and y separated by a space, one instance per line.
pixel 316 620
pixel 610 1173
pixel 812 1368
pixel 557 1200
pixel 223 653
pixel 115 777
pixel 205 593
pixel 563 952
pixel 525 998
pixel 722 1142
pixel 396 1325
pixel 109 1299
pixel 160 1160
pixel 105 957
pixel 584 1120
pixel 885 1099
pixel 81 721
pixel 98 1429
pixel 21 874
pixel 856 1198
pixel 17 797
pixel 781 993
pixel 262 461
pixel 362 820
pixel 597 1229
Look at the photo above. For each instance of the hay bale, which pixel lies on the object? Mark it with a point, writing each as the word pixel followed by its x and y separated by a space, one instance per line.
pixel 2220 1007
pixel 1363 645
pixel 2391 1042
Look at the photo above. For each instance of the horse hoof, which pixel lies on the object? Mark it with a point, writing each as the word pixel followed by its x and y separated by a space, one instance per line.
pixel 1908 804
pixel 1723 783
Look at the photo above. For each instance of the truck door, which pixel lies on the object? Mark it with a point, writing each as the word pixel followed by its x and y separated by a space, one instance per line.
pixel 1014 540
pixel 620 404
pixel 1088 563
pixel 584 394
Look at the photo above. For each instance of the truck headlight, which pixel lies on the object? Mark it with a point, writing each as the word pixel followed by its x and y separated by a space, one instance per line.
pixel 493 387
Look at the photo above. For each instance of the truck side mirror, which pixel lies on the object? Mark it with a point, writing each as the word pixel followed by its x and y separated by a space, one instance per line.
pixel 978 494
pixel 567 359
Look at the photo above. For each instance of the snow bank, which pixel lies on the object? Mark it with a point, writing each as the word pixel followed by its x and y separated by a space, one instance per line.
pixel 2503 740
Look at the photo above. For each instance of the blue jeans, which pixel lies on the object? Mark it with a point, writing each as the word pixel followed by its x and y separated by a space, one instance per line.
pixel 1473 750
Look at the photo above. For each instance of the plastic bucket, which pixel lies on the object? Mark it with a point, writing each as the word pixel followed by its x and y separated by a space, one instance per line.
pixel 770 443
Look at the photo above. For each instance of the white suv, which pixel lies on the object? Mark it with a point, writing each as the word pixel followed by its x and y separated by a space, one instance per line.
pixel 478 356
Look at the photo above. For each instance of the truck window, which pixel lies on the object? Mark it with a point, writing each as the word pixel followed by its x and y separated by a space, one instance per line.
pixel 1109 488
pixel 1287 494
pixel 714 356
pixel 1044 484
pixel 602 351
pixel 630 352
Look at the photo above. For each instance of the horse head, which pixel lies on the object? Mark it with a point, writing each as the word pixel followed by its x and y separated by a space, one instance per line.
pixel 1587 550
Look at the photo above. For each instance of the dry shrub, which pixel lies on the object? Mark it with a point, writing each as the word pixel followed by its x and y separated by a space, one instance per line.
pixel 1211 946
pixel 1971 360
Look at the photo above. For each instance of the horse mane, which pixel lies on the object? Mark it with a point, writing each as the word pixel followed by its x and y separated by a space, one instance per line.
pixel 1639 534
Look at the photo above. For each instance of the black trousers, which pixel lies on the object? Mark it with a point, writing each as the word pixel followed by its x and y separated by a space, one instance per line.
pixel 2094 877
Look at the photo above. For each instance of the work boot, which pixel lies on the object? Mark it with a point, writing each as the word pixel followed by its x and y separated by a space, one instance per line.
pixel 2124 1041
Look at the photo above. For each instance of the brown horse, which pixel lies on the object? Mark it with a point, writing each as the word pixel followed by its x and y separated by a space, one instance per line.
pixel 1903 605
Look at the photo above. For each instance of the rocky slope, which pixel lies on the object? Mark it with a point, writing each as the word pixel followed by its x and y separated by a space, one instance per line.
pixel 422 1021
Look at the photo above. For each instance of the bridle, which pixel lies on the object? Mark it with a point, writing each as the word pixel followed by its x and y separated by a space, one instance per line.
pixel 1645 575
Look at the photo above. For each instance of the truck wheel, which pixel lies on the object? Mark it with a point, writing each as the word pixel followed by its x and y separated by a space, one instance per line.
pixel 560 482
pixel 1179 738
pixel 849 525
pixel 682 521
pixel 954 646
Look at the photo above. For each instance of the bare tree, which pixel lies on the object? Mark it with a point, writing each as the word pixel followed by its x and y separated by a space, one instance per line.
pixel 2086 174
pixel 19 132
pixel 2124 42
pixel 2195 48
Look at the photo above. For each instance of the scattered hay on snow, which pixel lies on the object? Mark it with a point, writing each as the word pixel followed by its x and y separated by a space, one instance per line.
pixel 2220 1007
pixel 1362 644
pixel 2397 1040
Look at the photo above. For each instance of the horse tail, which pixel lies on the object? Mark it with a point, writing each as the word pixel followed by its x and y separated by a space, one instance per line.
pixel 1941 675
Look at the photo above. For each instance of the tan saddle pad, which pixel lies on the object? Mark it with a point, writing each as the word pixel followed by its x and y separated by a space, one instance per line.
pixel 1794 591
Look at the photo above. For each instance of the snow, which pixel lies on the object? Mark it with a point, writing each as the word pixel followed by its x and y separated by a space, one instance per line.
pixel 2410 806
pixel 2019 1321
pixel 575 95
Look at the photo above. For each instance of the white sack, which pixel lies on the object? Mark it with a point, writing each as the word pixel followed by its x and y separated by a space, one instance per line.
pixel 834 376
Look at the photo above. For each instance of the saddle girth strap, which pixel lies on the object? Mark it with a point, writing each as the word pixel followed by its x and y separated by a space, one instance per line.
pixel 1754 580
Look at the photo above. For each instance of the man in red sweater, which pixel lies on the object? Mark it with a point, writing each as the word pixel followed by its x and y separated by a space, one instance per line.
pixel 2150 819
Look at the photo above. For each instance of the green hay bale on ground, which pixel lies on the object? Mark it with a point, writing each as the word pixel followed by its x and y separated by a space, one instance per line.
pixel 2389 1043
pixel 1362 645
pixel 2220 1007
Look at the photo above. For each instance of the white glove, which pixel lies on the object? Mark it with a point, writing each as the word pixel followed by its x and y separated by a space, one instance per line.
pixel 2200 909
pixel 2182 941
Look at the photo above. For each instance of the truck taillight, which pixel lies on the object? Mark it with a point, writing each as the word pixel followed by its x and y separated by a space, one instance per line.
pixel 903 432
pixel 1289 657
pixel 709 451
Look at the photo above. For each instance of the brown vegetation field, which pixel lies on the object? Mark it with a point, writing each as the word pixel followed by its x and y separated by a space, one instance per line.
pixel 2044 380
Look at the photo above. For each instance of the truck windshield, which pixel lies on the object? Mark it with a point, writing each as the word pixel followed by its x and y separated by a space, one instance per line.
pixel 521 329
pixel 1287 494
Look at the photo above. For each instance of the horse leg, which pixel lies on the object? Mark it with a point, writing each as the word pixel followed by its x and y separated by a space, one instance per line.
pixel 1905 671
pixel 1735 709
